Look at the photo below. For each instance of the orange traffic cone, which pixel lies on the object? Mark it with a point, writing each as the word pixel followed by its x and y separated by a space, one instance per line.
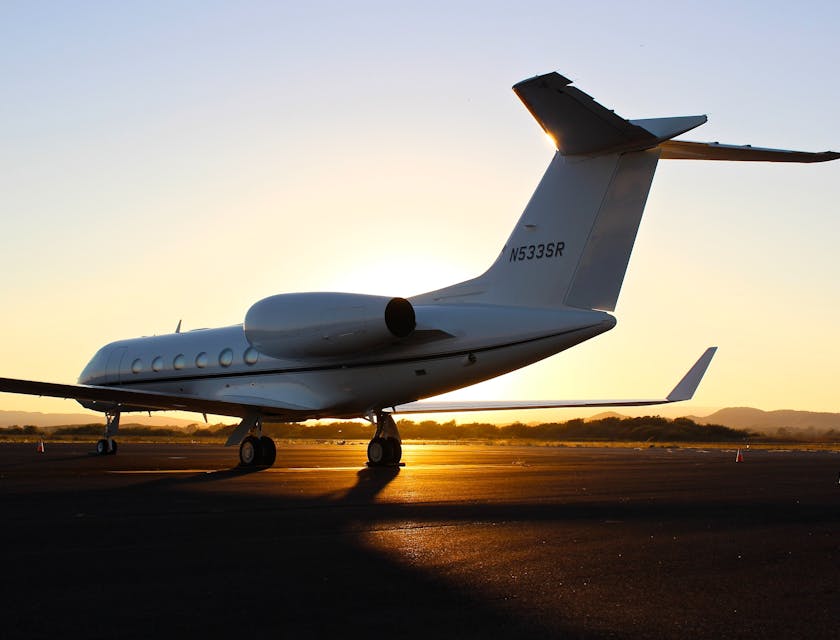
pixel 739 457
pixel 40 448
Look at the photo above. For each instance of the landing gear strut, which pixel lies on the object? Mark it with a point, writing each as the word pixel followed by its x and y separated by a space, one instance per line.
pixel 385 448
pixel 255 449
pixel 107 445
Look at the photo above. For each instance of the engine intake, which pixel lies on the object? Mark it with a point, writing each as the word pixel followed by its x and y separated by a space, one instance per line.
pixel 293 325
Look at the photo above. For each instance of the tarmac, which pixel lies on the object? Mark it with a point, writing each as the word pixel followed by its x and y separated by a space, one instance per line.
pixel 465 541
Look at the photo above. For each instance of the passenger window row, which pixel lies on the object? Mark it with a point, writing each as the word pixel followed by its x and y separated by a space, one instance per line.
pixel 202 360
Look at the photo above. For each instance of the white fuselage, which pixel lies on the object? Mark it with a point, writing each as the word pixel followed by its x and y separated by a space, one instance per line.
pixel 467 344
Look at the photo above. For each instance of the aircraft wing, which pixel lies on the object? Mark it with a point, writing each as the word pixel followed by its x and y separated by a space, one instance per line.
pixel 683 391
pixel 107 398
pixel 112 398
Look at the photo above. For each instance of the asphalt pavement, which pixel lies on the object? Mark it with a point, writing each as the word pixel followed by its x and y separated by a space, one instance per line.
pixel 464 542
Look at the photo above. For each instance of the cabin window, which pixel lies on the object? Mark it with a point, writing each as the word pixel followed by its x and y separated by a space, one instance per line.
pixel 179 362
pixel 157 364
pixel 137 366
pixel 251 355
pixel 201 360
pixel 226 357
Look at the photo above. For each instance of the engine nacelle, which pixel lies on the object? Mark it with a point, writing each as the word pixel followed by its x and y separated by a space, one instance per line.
pixel 293 325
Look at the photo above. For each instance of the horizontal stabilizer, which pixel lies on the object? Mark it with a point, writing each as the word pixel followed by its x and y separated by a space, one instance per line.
pixel 684 150
pixel 580 126
pixel 683 391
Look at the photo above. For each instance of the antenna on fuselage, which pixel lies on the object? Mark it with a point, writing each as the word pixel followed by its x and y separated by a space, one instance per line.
pixel 178 328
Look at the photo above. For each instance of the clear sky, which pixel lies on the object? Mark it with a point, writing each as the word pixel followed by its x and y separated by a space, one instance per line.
pixel 168 160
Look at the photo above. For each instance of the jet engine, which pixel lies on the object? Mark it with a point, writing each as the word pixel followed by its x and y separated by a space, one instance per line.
pixel 294 325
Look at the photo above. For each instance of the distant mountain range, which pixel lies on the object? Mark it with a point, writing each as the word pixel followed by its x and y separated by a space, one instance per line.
pixel 23 418
pixel 758 420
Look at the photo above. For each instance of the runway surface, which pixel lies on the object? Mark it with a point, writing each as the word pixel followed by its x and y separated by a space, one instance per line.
pixel 464 541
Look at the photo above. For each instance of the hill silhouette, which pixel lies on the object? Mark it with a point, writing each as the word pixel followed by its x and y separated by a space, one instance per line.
pixel 768 422
pixel 610 429
pixel 38 419
pixel 734 417
pixel 774 422
pixel 783 424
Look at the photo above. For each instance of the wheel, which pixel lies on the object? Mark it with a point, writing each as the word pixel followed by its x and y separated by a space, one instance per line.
pixel 113 450
pixel 249 451
pixel 383 451
pixel 376 451
pixel 102 447
pixel 268 451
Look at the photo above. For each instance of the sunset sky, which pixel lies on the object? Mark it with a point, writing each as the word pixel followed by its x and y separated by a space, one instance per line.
pixel 181 160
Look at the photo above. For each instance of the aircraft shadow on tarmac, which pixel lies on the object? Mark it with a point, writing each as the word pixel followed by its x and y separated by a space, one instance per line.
pixel 198 552
pixel 181 557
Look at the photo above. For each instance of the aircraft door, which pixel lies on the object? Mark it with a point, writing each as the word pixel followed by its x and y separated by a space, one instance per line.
pixel 112 369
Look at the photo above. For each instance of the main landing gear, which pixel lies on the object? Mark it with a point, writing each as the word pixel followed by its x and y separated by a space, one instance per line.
pixel 107 445
pixel 385 448
pixel 255 449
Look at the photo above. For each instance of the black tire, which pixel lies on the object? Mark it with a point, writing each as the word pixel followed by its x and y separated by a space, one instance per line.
pixel 268 451
pixel 396 451
pixel 388 445
pixel 377 451
pixel 102 447
pixel 113 450
pixel 249 452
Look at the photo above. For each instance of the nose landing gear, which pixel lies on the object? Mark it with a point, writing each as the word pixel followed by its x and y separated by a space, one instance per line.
pixel 107 445
pixel 385 448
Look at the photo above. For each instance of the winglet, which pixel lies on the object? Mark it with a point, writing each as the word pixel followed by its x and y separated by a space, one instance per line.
pixel 688 385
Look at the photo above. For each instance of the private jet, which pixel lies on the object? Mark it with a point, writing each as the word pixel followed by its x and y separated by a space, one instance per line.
pixel 302 356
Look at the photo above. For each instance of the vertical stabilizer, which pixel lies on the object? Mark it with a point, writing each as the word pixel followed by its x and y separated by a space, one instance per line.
pixel 572 244
pixel 603 263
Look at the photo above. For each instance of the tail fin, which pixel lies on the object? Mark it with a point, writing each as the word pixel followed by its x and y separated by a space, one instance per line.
pixel 572 244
